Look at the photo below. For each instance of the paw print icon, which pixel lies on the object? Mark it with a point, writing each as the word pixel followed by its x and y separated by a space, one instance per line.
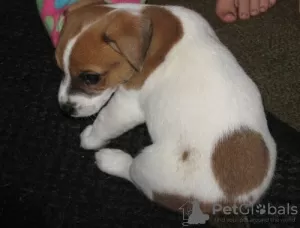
pixel 261 209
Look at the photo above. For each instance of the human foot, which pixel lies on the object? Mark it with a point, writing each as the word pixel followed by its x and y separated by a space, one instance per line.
pixel 230 10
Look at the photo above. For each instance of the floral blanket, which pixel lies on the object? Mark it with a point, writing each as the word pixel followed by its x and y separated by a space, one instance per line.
pixel 52 14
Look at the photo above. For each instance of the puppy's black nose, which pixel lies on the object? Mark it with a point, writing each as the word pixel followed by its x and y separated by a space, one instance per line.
pixel 68 108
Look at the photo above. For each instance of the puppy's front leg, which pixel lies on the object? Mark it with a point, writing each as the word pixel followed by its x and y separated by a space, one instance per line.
pixel 121 114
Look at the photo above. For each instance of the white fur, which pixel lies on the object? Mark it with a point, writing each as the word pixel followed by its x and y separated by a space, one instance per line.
pixel 190 101
pixel 121 114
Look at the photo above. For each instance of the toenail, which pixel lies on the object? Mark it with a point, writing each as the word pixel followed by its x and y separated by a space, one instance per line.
pixel 230 17
pixel 244 15
pixel 262 9
pixel 254 12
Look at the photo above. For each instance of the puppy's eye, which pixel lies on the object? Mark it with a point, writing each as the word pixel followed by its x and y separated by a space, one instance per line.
pixel 90 78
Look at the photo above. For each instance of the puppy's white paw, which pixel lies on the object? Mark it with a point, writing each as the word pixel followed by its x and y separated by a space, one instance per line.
pixel 114 162
pixel 89 140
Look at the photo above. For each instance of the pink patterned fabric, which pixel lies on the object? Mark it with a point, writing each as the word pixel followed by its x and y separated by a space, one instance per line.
pixel 52 14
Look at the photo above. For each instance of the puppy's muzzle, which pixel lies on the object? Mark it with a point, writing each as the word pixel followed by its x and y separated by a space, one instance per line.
pixel 68 108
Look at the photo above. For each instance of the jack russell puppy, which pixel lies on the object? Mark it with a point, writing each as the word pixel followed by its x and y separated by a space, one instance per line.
pixel 164 66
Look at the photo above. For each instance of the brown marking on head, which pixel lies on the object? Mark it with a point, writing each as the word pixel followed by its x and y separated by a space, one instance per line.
pixel 167 31
pixel 114 47
pixel 240 162
pixel 185 156
pixel 122 47
pixel 77 18
pixel 130 36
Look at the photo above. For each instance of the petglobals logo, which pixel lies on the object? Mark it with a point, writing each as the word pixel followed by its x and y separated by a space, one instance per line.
pixel 263 213
pixel 261 209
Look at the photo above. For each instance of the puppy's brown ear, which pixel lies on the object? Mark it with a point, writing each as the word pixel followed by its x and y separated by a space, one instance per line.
pixel 130 35
pixel 82 3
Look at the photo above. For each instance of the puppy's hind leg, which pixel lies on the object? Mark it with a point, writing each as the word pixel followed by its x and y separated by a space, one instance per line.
pixel 114 162
pixel 156 171
pixel 119 163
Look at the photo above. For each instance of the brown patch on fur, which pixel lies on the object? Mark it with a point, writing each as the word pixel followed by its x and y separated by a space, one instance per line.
pixel 185 155
pixel 240 162
pixel 102 49
pixel 130 35
pixel 75 20
pixel 124 48
pixel 167 31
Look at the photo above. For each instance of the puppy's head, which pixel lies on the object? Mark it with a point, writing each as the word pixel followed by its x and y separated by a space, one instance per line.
pixel 99 49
